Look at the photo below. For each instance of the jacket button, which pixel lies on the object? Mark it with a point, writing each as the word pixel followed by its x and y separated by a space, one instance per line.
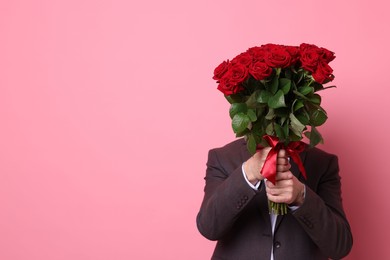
pixel 277 244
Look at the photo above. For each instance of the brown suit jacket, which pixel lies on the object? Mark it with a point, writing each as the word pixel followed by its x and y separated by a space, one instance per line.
pixel 237 215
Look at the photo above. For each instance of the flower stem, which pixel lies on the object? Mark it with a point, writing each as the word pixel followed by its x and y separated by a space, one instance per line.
pixel 277 208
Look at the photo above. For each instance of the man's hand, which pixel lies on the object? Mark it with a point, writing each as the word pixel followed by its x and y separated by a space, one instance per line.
pixel 287 189
pixel 254 165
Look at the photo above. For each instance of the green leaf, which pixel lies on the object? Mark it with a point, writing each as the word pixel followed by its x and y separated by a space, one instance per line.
pixel 252 115
pixel 306 90
pixel 283 120
pixel 293 137
pixel 235 98
pixel 274 85
pixel 252 100
pixel 279 132
pixel 251 144
pixel 297 104
pixel 285 85
pixel 263 142
pixel 314 136
pixel 264 97
pixel 300 95
pixel 270 115
pixel 236 108
pixel 318 117
pixel 277 100
pixel 315 99
pixel 240 122
pixel 243 133
pixel 303 117
pixel 296 126
pixel 269 130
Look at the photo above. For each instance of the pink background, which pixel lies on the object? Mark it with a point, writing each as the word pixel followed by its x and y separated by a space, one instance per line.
pixel 108 109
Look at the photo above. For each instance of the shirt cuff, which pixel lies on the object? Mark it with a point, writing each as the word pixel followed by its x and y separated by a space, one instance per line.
pixel 256 186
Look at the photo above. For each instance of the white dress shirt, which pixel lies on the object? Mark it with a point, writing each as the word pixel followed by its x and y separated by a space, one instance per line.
pixel 273 217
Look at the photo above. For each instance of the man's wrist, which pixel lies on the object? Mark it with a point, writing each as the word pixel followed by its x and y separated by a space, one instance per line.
pixel 249 176
pixel 300 198
pixel 255 185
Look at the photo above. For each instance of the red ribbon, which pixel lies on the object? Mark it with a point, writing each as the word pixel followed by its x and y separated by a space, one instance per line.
pixel 293 149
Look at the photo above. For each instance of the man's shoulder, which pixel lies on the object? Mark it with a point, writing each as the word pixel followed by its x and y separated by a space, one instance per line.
pixel 235 145
pixel 318 153
pixel 229 156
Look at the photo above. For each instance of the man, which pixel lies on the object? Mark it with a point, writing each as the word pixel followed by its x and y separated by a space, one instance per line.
pixel 235 211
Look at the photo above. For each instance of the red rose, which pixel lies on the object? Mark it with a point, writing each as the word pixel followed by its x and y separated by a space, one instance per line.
pixel 278 57
pixel 243 58
pixel 310 56
pixel 260 70
pixel 228 87
pixel 327 55
pixel 231 82
pixel 323 73
pixel 220 70
pixel 294 53
pixel 237 73
pixel 269 46
pixel 257 53
pixel 306 46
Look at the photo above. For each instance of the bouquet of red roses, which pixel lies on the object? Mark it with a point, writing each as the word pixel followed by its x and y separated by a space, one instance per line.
pixel 273 92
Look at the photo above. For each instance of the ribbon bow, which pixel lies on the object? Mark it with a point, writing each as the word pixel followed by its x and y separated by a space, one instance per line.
pixel 293 149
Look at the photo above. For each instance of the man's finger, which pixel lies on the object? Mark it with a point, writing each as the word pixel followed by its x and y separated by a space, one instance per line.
pixel 284 175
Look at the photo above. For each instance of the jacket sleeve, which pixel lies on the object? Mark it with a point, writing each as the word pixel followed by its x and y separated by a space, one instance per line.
pixel 226 195
pixel 322 215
